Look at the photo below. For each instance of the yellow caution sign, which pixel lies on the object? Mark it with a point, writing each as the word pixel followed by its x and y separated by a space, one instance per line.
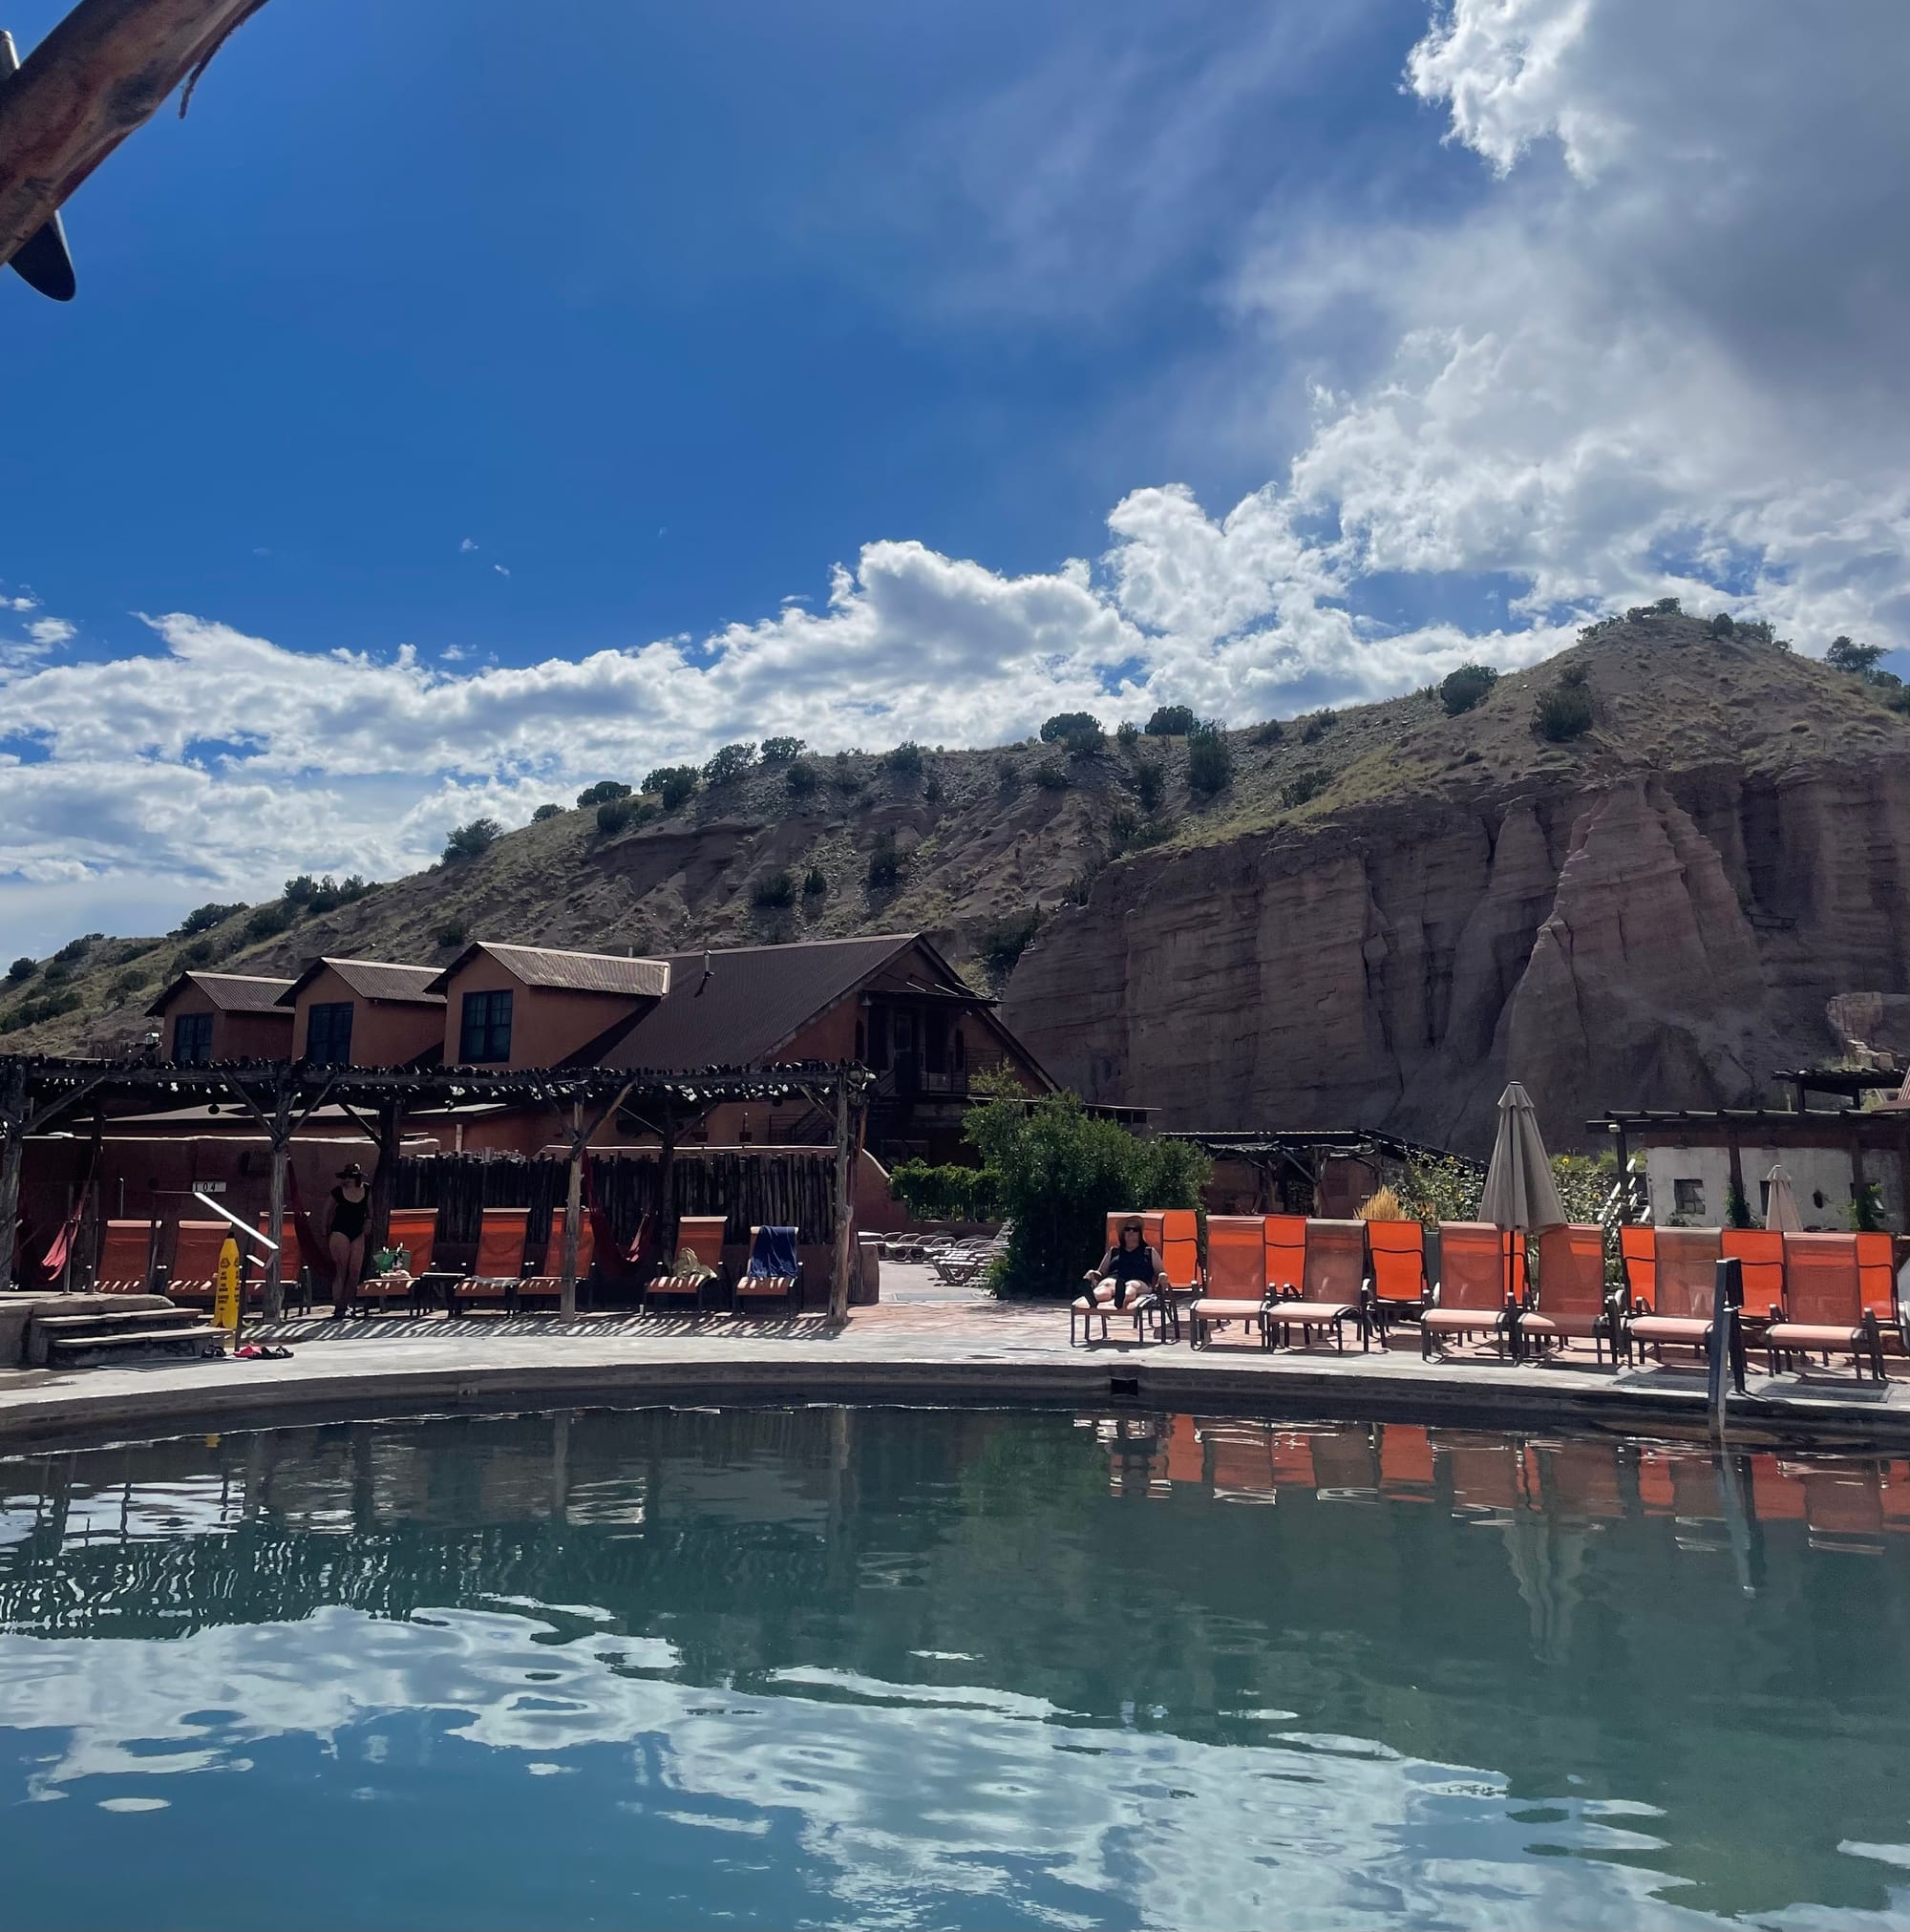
pixel 225 1287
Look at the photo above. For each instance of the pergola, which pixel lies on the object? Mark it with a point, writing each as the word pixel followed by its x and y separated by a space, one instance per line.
pixel 35 1093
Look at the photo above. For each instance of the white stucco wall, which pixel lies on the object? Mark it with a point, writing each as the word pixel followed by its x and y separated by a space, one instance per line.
pixel 1813 1171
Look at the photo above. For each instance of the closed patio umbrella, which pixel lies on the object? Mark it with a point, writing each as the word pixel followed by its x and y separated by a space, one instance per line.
pixel 1520 1194
pixel 1780 1202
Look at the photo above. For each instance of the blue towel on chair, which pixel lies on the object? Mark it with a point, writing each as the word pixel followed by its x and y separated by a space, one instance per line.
pixel 773 1256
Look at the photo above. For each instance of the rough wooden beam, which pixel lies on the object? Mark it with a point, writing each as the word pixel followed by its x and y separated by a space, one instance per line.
pixel 101 73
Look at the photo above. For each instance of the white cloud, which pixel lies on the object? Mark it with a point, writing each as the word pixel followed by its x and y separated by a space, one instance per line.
pixel 1657 349
pixel 501 570
pixel 51 630
pixel 468 544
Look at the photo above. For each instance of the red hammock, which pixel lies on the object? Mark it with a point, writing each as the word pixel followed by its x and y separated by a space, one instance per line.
pixel 52 1264
pixel 313 1251
pixel 613 1258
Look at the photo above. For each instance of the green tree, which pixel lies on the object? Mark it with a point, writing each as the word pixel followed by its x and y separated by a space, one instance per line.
pixel 782 751
pixel 1004 942
pixel 1057 1172
pixel 544 812
pixel 472 840
pixel 1210 761
pixel 1859 660
pixel 1064 726
pixel 729 765
pixel 776 891
pixel 801 779
pixel 613 816
pixel 1172 721
pixel 604 793
pixel 885 863
pixel 204 918
pixel 906 760
pixel 672 784
pixel 814 884
pixel 1463 688
pixel 1150 780
pixel 22 971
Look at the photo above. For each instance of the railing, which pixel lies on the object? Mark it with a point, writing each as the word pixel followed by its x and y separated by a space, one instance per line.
pixel 921 1083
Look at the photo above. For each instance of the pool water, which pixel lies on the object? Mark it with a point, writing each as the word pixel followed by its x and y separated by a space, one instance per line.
pixel 826 1667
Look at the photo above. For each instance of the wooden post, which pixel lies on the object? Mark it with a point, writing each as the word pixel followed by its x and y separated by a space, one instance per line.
pixel 573 1204
pixel 384 1181
pixel 1857 1180
pixel 838 1285
pixel 275 1230
pixel 1736 1153
pixel 12 1158
pixel 666 1227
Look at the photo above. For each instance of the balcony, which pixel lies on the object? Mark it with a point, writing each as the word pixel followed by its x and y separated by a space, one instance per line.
pixel 910 1081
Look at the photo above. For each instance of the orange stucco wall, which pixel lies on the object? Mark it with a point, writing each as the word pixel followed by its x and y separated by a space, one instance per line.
pixel 384 1032
pixel 235 1036
pixel 547 1025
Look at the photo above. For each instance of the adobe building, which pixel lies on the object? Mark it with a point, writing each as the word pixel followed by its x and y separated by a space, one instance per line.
pixel 357 1012
pixel 510 1007
pixel 210 1017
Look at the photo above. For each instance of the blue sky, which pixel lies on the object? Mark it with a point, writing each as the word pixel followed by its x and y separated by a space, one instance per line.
pixel 450 412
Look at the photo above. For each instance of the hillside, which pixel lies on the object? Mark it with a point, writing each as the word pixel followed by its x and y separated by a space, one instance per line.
pixel 1382 908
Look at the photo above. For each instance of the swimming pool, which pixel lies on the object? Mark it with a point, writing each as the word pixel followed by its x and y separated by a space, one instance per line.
pixel 949 1668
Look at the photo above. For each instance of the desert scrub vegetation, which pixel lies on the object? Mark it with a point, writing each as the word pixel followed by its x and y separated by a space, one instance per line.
pixel 1210 761
pixel 1459 690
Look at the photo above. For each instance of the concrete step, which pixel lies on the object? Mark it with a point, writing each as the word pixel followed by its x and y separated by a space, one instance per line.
pixel 133 1344
pixel 47 1330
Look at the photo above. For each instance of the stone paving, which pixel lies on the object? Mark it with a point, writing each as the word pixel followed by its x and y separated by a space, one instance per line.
pixel 922 1342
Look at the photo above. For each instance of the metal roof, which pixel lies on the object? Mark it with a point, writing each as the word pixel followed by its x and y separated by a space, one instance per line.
pixel 371 979
pixel 576 972
pixel 229 992
pixel 747 1003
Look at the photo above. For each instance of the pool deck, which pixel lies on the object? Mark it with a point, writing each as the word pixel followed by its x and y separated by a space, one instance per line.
pixel 925 1343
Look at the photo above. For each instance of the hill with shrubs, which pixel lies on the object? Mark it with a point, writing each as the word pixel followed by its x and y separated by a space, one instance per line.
pixel 1032 845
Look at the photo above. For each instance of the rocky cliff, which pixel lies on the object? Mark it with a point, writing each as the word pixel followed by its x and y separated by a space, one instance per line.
pixel 1379 915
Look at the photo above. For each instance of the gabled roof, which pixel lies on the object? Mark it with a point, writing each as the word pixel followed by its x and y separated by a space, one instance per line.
pixel 229 992
pixel 753 998
pixel 573 972
pixel 371 979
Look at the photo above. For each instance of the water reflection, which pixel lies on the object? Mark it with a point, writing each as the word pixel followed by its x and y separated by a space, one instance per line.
pixel 810 1667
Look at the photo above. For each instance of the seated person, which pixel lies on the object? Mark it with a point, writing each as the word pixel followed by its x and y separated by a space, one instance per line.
pixel 1129 1268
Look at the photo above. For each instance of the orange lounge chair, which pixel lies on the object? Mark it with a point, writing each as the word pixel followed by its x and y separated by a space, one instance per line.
pixel 192 1277
pixel 1470 1297
pixel 414 1230
pixel 1759 1252
pixel 1285 1252
pixel 703 1236
pixel 1876 1268
pixel 1345 1467
pixel 1243 1461
pixel 498 1265
pixel 1638 1257
pixel 1332 1288
pixel 294 1279
pixel 1572 1301
pixel 1582 1476
pixel 125 1259
pixel 1098 1299
pixel 1685 1281
pixel 1823 1310
pixel 1236 1289
pixel 548 1278
pixel 1395 1269
pixel 773 1272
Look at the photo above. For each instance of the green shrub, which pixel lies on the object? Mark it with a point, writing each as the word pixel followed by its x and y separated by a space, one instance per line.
pixel 1123 828
pixel 267 922
pixel 945 1193
pixel 1269 733
pixel 453 933
pixel 1302 788
pixel 1172 721
pixel 1057 1172
pixel 1573 673
pixel 22 971
pixel 885 863
pixel 204 918
pixel 76 949
pixel 199 953
pixel 729 765
pixel 1008 777
pixel 30 1012
pixel 1722 626
pixel 906 760
pixel 802 779
pixel 814 884
pixel 1127 735
pixel 781 750
pixel 1004 942
pixel 1210 762
pixel 544 812
pixel 127 982
pixel 614 816
pixel 1461 690
pixel 1315 726
pixel 1066 725
pixel 604 793
pixel 931 789
pixel 1150 781
pixel 58 972
pixel 1564 712
pixel 673 785
pixel 1051 776
pixel 777 890
pixel 472 840
pixel 306 895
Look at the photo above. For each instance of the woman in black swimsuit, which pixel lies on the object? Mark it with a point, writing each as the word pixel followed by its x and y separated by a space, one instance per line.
pixel 350 1210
